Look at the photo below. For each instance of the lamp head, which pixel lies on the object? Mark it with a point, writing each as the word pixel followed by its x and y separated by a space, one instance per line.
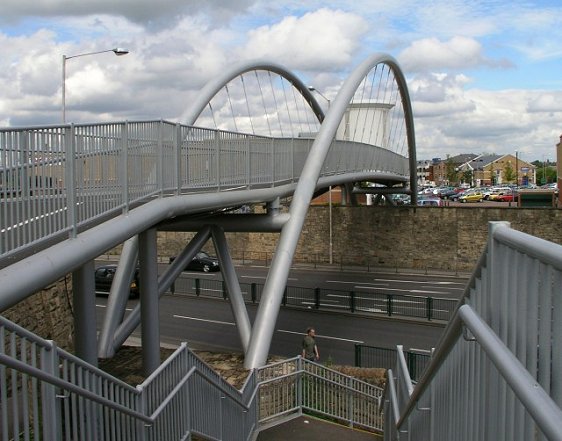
pixel 120 51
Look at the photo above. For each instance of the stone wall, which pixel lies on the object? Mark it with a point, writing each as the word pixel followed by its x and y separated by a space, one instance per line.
pixel 447 238
pixel 444 238
pixel 47 313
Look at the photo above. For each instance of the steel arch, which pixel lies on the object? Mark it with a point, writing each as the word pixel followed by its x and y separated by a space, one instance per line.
pixel 214 86
pixel 276 281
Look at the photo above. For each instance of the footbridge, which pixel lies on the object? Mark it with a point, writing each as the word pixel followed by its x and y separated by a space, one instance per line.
pixel 254 135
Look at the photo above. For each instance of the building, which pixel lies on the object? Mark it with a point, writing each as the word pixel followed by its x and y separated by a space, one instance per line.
pixel 440 169
pixel 501 169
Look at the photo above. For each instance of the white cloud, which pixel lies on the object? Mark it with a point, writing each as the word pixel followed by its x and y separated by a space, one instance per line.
pixel 430 54
pixel 446 47
pixel 320 40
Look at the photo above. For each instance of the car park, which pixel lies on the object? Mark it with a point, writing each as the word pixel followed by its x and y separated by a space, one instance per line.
pixel 103 279
pixel 201 262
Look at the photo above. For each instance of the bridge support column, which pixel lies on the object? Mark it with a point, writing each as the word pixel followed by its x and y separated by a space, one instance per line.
pixel 233 287
pixel 83 293
pixel 150 313
pixel 118 296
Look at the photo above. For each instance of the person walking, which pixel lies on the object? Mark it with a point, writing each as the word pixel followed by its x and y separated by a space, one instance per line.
pixel 309 347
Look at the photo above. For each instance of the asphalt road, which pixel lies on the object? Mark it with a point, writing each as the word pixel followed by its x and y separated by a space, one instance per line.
pixel 208 323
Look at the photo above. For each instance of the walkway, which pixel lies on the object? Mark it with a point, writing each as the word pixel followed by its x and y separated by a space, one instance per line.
pixel 306 428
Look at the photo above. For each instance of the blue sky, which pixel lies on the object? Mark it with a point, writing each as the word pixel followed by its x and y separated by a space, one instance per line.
pixel 484 76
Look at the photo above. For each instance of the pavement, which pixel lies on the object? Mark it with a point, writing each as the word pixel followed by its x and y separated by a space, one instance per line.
pixel 307 428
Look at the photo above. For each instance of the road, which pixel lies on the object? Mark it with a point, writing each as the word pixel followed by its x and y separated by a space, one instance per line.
pixel 208 324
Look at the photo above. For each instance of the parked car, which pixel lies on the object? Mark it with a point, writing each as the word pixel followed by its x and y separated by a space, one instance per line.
pixel 471 197
pixel 430 202
pixel 104 276
pixel 201 262
pixel 507 197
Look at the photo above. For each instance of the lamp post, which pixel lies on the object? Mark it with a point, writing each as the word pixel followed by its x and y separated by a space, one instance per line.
pixel 331 250
pixel 117 51
pixel 313 89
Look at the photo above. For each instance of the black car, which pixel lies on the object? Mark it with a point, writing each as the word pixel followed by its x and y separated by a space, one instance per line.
pixel 104 276
pixel 201 262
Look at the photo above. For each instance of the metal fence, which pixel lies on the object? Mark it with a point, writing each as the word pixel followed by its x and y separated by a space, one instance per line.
pixel 374 357
pixel 371 302
pixel 301 386
pixel 495 372
pixel 57 180
pixel 47 393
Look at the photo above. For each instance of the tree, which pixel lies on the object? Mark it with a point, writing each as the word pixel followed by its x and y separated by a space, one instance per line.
pixel 467 176
pixel 451 172
pixel 509 173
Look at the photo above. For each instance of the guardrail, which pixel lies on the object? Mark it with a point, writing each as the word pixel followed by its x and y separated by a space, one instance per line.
pixel 47 393
pixel 301 386
pixel 56 181
pixel 494 372
pixel 372 302
pixel 375 357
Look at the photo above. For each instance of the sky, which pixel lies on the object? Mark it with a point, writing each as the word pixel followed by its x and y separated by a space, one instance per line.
pixel 484 75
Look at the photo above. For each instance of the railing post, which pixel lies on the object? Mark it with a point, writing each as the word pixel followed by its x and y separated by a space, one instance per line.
pixel 253 291
pixel 178 159
pixel 125 166
pixel 352 301
pixel 357 355
pixel 70 178
pixel 49 413
pixel 284 301
pixel 142 428
pixel 197 287
pixel 429 307
pixel 389 304
pixel 160 153
pixel 317 298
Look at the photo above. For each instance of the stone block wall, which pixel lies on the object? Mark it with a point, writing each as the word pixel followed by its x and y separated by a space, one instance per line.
pixel 48 313
pixel 441 238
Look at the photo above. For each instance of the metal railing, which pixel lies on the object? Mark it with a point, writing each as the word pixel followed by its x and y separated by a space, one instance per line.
pixel 495 372
pixel 47 393
pixel 371 302
pixel 57 180
pixel 374 357
pixel 297 386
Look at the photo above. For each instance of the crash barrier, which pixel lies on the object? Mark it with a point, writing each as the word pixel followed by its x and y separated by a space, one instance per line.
pixel 372 302
pixel 494 374
pixel 375 357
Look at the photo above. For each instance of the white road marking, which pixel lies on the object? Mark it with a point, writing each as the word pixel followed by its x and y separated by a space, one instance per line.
pixel 218 322
pixel 418 291
pixel 263 277
pixel 344 282
pixel 420 281
pixel 321 336
pixel 105 306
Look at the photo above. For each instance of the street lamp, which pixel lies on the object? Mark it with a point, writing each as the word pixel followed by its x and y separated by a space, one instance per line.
pixel 117 51
pixel 313 89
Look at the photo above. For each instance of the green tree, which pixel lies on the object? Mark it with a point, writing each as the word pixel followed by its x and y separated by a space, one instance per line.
pixel 467 176
pixel 451 172
pixel 509 174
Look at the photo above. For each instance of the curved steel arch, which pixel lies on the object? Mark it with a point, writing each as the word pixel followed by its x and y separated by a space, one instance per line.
pixel 214 86
pixel 276 281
